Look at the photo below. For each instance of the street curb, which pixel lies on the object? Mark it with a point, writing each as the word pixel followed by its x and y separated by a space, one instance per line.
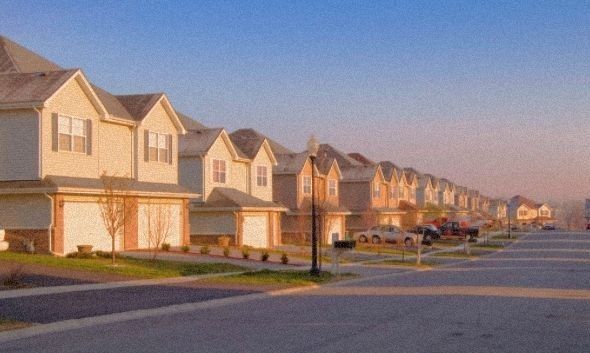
pixel 73 324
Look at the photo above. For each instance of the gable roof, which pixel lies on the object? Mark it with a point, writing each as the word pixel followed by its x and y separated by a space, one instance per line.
pixel 250 142
pixel 35 88
pixel 189 123
pixel 519 200
pixel 232 198
pixel 15 58
pixel 290 163
pixel 139 105
pixel 390 170
pixel 328 151
pixel 198 142
pixel 411 175
pixel 360 158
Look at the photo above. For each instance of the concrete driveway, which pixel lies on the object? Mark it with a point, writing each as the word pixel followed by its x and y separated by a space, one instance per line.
pixel 512 301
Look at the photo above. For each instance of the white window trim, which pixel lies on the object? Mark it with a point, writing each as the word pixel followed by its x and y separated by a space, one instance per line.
pixel 213 171
pixel 304 178
pixel 265 175
pixel 85 127
pixel 167 148
pixel 335 188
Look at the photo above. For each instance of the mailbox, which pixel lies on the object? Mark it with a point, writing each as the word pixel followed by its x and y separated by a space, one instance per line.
pixel 344 244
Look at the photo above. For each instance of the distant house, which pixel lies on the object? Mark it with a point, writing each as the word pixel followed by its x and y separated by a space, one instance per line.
pixel 446 193
pixel 473 200
pixel 233 175
pixel 498 209
pixel 364 190
pixel 528 212
pixel 59 134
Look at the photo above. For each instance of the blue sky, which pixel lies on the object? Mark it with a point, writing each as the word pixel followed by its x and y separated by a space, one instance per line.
pixel 493 95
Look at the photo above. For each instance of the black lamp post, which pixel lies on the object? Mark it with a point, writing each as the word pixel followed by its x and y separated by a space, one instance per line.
pixel 312 149
pixel 509 225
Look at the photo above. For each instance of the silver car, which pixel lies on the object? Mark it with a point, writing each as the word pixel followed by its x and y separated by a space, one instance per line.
pixel 388 234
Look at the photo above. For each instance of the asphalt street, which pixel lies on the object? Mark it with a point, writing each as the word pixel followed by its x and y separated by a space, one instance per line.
pixel 532 297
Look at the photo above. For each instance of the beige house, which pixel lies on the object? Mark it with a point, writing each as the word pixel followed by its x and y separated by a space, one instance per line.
pixel 446 193
pixel 498 209
pixel 233 175
pixel 392 174
pixel 526 212
pixel 364 190
pixel 59 134
pixel 473 200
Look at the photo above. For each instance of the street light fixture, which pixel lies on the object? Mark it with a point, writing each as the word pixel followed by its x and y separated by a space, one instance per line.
pixel 312 148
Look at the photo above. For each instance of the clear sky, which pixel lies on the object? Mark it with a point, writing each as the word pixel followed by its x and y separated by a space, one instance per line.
pixel 492 95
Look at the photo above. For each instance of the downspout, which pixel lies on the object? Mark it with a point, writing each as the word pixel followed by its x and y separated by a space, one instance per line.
pixel 51 223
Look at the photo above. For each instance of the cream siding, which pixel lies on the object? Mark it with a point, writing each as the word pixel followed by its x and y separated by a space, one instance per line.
pixel 25 212
pixel 116 149
pixel 71 100
pixel 261 192
pixel 219 150
pixel 158 172
pixel 19 145
pixel 255 231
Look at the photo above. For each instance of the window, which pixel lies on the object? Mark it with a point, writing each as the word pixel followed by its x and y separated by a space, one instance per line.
pixel 72 134
pixel 402 193
pixel 377 191
pixel 523 213
pixel 219 171
pixel 159 147
pixel 332 187
pixel 544 213
pixel 392 192
pixel 261 175
pixel 306 184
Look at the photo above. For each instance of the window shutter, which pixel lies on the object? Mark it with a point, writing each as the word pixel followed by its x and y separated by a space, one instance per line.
pixel 88 136
pixel 170 149
pixel 54 132
pixel 146 145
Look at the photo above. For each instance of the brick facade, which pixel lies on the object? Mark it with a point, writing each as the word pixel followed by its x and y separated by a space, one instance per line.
pixel 16 239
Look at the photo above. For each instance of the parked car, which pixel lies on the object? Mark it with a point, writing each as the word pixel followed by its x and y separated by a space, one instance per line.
pixel 588 226
pixel 549 227
pixel 388 234
pixel 428 231
pixel 455 229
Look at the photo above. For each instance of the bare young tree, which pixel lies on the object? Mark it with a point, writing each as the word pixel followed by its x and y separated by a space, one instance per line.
pixel 159 219
pixel 571 214
pixel 112 207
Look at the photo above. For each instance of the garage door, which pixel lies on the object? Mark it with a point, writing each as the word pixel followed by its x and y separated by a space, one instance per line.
pixel 335 229
pixel 83 225
pixel 174 233
pixel 255 231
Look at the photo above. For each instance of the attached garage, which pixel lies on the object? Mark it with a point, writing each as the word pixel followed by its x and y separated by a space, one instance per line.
pixel 334 229
pixel 83 225
pixel 170 213
pixel 255 231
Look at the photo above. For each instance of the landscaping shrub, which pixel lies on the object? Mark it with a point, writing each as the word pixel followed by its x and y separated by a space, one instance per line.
pixel 284 258
pixel 106 254
pixel 80 255
pixel 185 248
pixel 205 250
pixel 226 251
pixel 14 277
pixel 264 256
pixel 166 246
pixel 246 253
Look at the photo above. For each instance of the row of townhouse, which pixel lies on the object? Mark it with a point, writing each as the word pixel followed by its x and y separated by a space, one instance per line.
pixel 59 133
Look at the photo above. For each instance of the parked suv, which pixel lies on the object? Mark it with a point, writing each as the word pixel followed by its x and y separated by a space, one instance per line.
pixel 455 229
pixel 388 234
pixel 549 227
pixel 429 232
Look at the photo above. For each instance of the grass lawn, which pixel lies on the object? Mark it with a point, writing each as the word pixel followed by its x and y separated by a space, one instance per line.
pixel 136 268
pixel 380 249
pixel 455 254
pixel 289 278
pixel 7 324
pixel 445 243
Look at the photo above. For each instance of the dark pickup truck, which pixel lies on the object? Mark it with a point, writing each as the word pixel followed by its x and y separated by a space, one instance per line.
pixel 455 229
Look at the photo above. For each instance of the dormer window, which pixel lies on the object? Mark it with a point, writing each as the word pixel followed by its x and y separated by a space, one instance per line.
pixel 219 171
pixel 261 175
pixel 307 184
pixel 72 134
pixel 332 187
pixel 159 147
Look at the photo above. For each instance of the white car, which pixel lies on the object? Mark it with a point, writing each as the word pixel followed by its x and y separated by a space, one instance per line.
pixel 388 234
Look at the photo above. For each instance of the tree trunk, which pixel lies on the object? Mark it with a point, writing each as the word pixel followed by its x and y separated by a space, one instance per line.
pixel 113 249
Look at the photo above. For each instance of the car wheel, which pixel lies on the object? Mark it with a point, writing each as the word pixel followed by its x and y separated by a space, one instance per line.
pixel 362 239
pixel 408 242
pixel 375 240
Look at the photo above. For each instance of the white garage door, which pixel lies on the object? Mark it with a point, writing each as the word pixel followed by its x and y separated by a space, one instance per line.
pixel 174 234
pixel 335 229
pixel 255 231
pixel 83 225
